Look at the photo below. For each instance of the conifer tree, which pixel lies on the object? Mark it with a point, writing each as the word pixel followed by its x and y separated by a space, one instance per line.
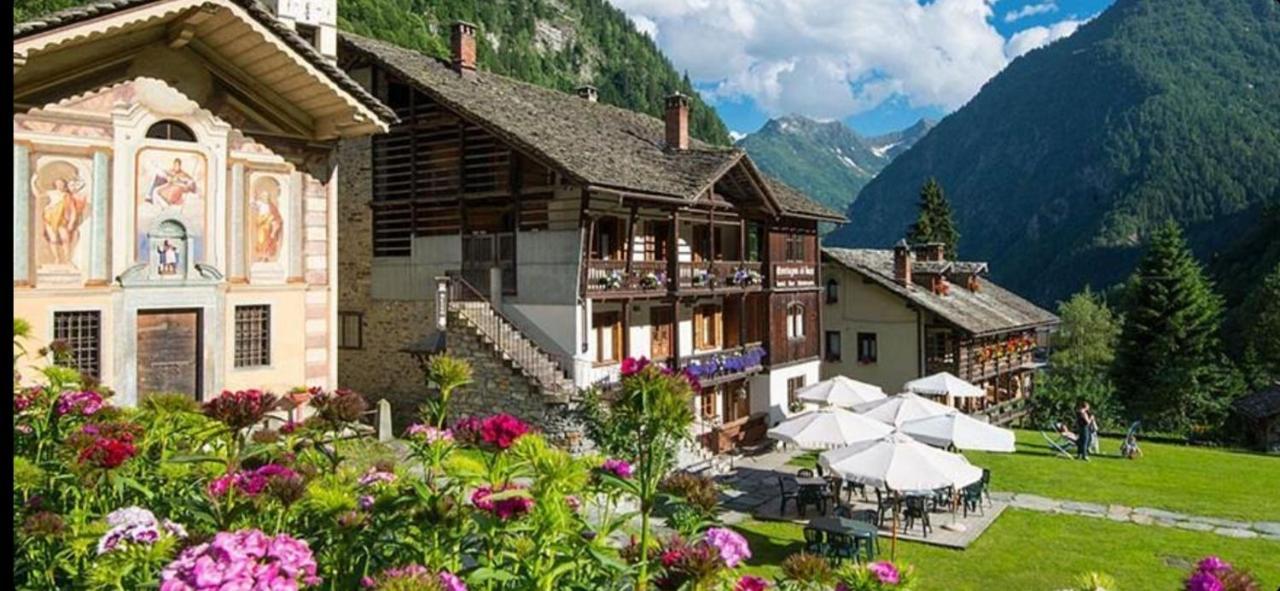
pixel 935 223
pixel 1170 370
pixel 1262 332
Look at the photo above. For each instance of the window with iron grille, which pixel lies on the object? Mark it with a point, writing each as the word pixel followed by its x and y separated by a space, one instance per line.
pixel 82 332
pixel 253 336
pixel 350 330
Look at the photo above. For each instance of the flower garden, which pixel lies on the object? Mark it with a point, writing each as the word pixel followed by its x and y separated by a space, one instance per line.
pixel 231 494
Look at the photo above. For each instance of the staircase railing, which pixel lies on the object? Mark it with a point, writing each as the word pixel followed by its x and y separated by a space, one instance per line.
pixel 536 363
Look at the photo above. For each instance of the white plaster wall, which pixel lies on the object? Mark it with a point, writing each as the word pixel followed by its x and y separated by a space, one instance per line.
pixel 413 277
pixel 769 390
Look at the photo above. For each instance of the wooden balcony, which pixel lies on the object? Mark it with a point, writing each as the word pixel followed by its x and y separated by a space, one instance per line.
pixel 719 276
pixel 613 278
pixel 717 367
pixel 788 275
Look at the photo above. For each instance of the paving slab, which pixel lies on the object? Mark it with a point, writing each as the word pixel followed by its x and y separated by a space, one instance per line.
pixel 1235 533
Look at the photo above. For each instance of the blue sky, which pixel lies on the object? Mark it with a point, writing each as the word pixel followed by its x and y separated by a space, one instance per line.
pixel 878 65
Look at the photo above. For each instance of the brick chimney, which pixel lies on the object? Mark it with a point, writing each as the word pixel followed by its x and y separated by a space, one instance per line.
pixel 677 118
pixel 932 251
pixel 463 46
pixel 902 263
pixel 587 92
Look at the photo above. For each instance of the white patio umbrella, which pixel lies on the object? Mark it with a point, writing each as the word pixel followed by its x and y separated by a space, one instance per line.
pixel 962 431
pixel 944 384
pixel 841 391
pixel 827 428
pixel 900 463
pixel 900 408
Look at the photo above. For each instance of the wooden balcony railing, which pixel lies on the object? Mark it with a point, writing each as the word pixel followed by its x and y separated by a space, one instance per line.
pixel 613 277
pixel 650 277
pixel 793 275
pixel 715 367
pixel 720 276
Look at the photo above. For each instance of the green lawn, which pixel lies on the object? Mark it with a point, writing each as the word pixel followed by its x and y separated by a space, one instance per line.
pixel 1195 480
pixel 1029 551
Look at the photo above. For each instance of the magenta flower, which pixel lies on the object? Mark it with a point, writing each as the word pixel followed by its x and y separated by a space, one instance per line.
pixel 751 583
pixel 248 560
pixel 633 365
pixel 82 403
pixel 135 525
pixel 451 582
pixel 366 502
pixel 428 433
pixel 414 576
pixel 502 430
pixel 619 468
pixel 507 507
pixel 250 482
pixel 375 476
pixel 732 546
pixel 1213 564
pixel 885 572
pixel 1204 581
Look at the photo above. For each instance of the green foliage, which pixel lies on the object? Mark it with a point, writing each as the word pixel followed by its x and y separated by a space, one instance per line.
pixel 804 571
pixel 934 224
pixel 1261 332
pixel 446 374
pixel 1170 369
pixel 1076 152
pixel 1083 353
pixel 1094 581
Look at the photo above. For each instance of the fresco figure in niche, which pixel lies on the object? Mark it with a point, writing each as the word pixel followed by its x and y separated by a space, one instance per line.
pixel 168 258
pixel 171 184
pixel 64 207
pixel 268 224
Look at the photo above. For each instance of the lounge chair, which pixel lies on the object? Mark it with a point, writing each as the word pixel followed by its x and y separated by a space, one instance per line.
pixel 1062 445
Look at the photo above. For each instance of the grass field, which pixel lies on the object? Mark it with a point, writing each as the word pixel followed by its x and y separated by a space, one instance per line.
pixel 1028 551
pixel 1194 480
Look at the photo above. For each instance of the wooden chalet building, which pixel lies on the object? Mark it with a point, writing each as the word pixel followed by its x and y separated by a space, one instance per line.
pixel 895 315
pixel 573 234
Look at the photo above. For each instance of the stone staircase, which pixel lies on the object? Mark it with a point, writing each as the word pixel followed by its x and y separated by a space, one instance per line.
pixel 467 306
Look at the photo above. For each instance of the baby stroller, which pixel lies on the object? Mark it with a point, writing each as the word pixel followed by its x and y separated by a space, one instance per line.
pixel 1129 450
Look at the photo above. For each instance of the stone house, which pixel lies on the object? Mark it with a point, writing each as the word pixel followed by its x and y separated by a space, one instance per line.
pixel 895 315
pixel 1259 415
pixel 546 237
pixel 175 191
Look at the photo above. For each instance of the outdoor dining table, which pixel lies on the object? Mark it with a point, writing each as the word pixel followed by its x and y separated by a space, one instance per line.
pixel 859 530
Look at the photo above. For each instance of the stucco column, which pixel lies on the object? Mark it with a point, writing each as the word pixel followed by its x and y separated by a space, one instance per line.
pixel 98 218
pixel 297 234
pixel 237 247
pixel 21 213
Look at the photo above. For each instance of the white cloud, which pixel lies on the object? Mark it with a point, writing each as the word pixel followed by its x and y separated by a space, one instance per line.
pixel 645 25
pixel 736 135
pixel 833 58
pixel 1031 38
pixel 1031 10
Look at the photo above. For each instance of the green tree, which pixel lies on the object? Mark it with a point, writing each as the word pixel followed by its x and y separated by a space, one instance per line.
pixel 1080 367
pixel 1261 330
pixel 1170 370
pixel 935 222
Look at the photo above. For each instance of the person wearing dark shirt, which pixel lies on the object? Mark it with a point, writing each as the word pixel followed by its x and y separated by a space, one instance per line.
pixel 1084 420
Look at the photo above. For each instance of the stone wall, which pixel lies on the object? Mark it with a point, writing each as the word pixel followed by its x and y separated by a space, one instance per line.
pixel 498 387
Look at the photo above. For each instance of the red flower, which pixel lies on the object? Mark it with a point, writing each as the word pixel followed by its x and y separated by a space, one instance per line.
pixel 632 365
pixel 107 453
pixel 505 508
pixel 502 430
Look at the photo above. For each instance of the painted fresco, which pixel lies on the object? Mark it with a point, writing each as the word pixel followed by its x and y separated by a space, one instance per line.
pixel 266 220
pixel 171 185
pixel 61 187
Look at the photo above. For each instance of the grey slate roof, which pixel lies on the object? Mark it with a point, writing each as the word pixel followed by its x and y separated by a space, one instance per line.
pixel 992 309
pixel 597 143
pixel 71 16
pixel 1260 405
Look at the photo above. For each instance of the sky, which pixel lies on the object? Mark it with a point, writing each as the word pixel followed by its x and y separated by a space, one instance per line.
pixel 878 65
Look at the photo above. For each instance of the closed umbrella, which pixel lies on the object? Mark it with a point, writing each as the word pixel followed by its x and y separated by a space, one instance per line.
pixel 900 408
pixel 827 428
pixel 960 430
pixel 840 391
pixel 944 384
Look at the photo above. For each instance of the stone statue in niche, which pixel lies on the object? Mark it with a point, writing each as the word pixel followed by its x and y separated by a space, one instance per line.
pixel 62 191
pixel 168 258
pixel 268 223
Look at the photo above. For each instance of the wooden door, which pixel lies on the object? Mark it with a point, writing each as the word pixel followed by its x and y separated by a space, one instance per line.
pixel 168 353
pixel 660 333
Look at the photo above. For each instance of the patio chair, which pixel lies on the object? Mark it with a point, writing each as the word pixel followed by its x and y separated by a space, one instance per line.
pixel 851 486
pixel 917 509
pixel 972 498
pixel 788 493
pixel 884 504
pixel 1063 446
pixel 814 541
pixel 986 486
pixel 865 516
pixel 812 495
pixel 942 499
pixel 840 547
pixel 804 473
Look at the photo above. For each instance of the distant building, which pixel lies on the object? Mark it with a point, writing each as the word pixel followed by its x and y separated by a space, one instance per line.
pixel 892 316
pixel 175 191
pixel 574 234
pixel 1259 414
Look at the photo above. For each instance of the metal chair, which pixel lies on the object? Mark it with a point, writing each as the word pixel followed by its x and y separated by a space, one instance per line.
pixel 972 498
pixel 840 547
pixel 812 495
pixel 788 493
pixel 917 509
pixel 814 541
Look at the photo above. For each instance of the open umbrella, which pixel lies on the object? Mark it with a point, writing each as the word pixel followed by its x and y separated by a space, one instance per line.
pixel 960 430
pixel 827 428
pixel 840 391
pixel 899 462
pixel 944 384
pixel 900 408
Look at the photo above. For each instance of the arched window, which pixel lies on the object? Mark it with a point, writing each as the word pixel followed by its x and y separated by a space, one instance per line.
pixel 795 321
pixel 833 291
pixel 171 130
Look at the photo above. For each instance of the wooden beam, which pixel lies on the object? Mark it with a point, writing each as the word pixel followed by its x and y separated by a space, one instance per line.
pixel 183 29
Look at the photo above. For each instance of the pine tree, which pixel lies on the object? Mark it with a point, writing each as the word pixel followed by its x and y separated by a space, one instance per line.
pixel 1170 370
pixel 935 223
pixel 1083 352
pixel 1261 316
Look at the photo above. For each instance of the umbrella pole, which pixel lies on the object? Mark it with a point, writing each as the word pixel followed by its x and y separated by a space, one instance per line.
pixel 893 540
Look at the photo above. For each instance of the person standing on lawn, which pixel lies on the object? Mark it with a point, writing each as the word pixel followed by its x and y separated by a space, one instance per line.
pixel 1084 430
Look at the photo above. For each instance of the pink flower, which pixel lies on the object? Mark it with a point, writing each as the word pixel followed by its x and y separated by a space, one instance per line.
pixel 514 505
pixel 751 583
pixel 1204 581
pixel 247 560
pixel 502 430
pixel 375 476
pixel 732 546
pixel 451 582
pixel 250 482
pixel 428 433
pixel 366 502
pixel 619 468
pixel 885 572
pixel 82 403
pixel 414 576
pixel 632 365
pixel 1213 564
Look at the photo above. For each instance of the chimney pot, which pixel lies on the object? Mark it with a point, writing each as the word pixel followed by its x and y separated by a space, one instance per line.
pixel 902 263
pixel 677 120
pixel 932 251
pixel 463 45
pixel 588 92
